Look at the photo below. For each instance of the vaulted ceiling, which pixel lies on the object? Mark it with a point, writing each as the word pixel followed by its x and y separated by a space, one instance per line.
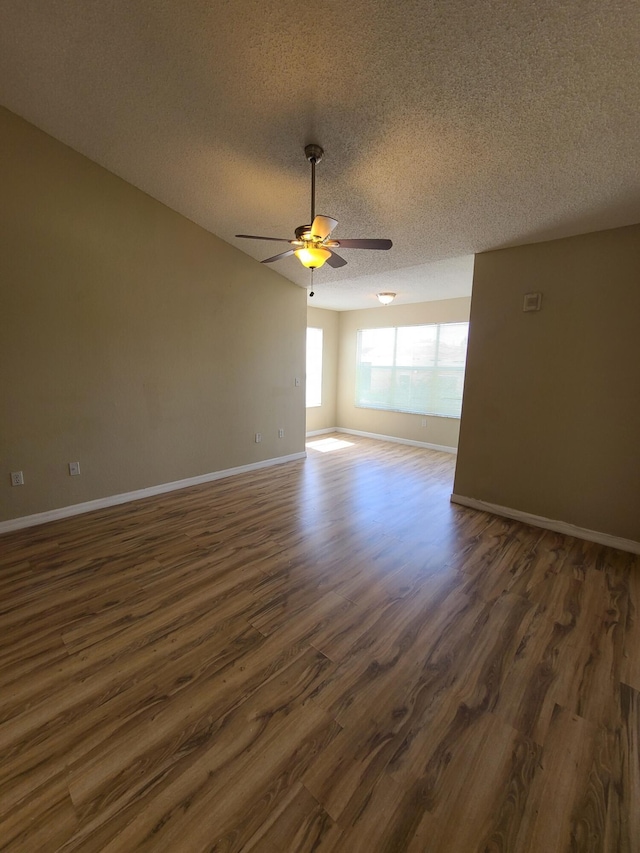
pixel 450 127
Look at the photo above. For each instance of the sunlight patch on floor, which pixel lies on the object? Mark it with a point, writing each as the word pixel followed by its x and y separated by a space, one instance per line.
pixel 328 445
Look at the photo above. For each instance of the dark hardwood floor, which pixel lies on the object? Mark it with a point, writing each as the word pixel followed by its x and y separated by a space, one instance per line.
pixel 322 656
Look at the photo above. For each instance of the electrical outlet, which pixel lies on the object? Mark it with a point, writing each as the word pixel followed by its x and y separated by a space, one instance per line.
pixel 17 478
pixel 258 437
pixel 74 469
pixel 297 382
pixel 424 422
pixel 280 433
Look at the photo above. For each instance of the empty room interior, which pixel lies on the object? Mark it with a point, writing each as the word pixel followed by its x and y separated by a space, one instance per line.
pixel 320 381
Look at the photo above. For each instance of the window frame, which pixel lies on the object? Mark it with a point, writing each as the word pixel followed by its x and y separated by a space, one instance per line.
pixel 439 372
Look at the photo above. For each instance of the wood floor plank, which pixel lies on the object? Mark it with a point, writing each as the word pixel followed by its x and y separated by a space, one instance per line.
pixel 327 656
pixel 205 765
pixel 546 822
pixel 367 829
pixel 408 645
pixel 299 824
pixel 44 821
pixel 54 736
pixel 476 798
pixel 630 671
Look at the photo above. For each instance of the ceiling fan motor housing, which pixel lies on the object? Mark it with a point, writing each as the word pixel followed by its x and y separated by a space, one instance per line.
pixel 303 234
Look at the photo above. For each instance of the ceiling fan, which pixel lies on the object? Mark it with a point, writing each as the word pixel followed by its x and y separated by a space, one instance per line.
pixel 312 245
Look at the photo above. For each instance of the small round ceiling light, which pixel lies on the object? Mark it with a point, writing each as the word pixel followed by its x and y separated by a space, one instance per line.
pixel 385 298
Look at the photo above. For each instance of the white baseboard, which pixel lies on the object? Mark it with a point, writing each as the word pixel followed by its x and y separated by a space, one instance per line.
pixel 550 524
pixel 313 432
pixel 441 447
pixel 126 497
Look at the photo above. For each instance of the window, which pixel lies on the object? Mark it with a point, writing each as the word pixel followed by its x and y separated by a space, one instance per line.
pixel 314 367
pixel 417 369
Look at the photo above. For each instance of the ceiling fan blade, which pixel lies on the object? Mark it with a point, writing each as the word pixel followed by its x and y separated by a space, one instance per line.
pixel 253 237
pixel 364 244
pixel 336 261
pixel 322 226
pixel 277 257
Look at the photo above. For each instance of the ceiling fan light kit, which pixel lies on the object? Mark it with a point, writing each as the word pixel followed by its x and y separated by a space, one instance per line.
pixel 312 257
pixel 313 248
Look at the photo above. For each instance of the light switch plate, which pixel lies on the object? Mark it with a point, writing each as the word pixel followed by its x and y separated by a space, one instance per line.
pixel 532 302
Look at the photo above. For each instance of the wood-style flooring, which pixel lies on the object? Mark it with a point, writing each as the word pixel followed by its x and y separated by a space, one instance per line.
pixel 321 656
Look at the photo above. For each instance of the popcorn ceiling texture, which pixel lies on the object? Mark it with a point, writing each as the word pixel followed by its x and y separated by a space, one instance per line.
pixel 452 128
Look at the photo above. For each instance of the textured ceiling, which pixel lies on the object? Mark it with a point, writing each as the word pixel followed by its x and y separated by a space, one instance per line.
pixel 450 127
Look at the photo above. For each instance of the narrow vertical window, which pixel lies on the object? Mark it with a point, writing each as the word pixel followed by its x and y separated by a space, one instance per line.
pixel 314 367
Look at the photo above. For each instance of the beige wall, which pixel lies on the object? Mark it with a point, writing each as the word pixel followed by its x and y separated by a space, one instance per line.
pixel 131 340
pixel 441 431
pixel 324 416
pixel 551 414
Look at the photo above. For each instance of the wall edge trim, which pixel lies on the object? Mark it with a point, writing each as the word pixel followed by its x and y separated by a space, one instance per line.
pixel 441 447
pixel 550 524
pixel 126 497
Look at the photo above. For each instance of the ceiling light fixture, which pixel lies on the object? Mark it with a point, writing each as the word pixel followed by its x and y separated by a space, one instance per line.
pixel 385 298
pixel 312 244
pixel 312 257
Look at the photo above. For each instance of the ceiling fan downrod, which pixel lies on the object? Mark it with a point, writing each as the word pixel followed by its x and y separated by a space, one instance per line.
pixel 313 154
